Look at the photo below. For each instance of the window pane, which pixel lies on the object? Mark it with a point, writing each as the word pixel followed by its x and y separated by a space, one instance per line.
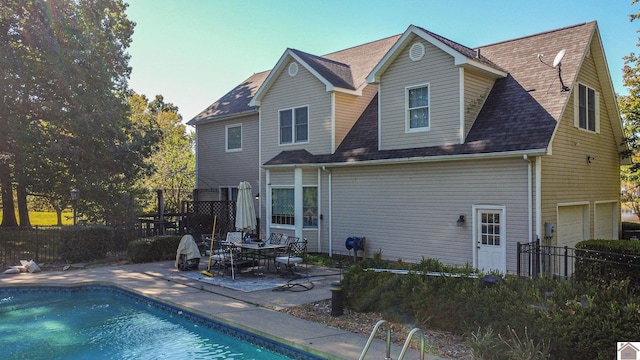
pixel 234 137
pixel 310 207
pixel 282 206
pixel 418 97
pixel 591 114
pixel 302 124
pixel 582 107
pixel 418 118
pixel 286 127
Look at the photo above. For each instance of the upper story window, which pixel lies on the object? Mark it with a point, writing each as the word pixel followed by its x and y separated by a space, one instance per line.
pixel 294 125
pixel 234 137
pixel 587 109
pixel 417 104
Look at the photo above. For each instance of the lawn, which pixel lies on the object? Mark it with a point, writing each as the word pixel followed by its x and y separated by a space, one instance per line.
pixel 48 218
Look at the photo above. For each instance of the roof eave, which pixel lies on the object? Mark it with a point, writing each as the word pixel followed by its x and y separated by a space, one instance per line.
pixel 420 159
pixel 207 120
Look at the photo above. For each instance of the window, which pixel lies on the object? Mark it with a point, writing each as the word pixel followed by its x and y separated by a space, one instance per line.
pixel 282 206
pixel 229 193
pixel 294 125
pixel 234 137
pixel 417 101
pixel 310 207
pixel 587 109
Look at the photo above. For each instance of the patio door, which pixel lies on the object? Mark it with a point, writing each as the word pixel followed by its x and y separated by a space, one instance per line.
pixel 489 238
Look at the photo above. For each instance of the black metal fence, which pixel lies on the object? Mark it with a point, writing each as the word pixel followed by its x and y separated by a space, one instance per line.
pixel 535 259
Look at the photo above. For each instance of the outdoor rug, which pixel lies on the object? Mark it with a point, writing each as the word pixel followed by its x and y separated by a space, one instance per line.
pixel 245 284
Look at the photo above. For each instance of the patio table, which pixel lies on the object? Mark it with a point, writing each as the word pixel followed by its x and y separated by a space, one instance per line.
pixel 256 251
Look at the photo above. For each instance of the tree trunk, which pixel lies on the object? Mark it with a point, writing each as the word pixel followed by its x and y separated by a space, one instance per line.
pixel 23 208
pixel 8 206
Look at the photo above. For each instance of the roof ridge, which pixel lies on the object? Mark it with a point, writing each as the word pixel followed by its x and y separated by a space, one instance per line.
pixel 319 57
pixel 535 35
pixel 361 45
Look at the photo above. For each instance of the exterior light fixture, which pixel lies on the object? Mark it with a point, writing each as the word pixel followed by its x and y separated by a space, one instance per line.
pixel 461 220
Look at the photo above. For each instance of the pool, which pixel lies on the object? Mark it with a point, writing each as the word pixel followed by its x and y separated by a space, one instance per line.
pixel 107 322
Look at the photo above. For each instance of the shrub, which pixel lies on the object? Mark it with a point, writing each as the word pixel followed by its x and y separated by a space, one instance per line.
pixel 512 318
pixel 85 243
pixel 156 248
pixel 606 261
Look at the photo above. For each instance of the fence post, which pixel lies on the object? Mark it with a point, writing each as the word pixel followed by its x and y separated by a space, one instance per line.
pixel 566 262
pixel 536 259
pixel 518 246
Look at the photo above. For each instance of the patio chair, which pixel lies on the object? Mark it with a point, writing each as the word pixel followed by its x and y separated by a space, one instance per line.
pixel 296 253
pixel 219 252
pixel 234 237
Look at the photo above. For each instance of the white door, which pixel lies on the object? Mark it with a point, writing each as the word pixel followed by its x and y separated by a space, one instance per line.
pixel 606 221
pixel 572 224
pixel 490 240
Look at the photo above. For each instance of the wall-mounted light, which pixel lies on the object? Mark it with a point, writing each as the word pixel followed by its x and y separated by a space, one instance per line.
pixel 257 196
pixel 590 159
pixel 461 220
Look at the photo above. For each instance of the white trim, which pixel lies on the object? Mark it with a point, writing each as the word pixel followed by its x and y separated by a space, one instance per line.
pixel 459 59
pixel 616 216
pixel 576 108
pixel 298 202
pixel 379 117
pixel 263 196
pixel 293 125
pixel 407 111
pixel 226 137
pixel 422 159
pixel 319 209
pixel 333 122
pixel 461 103
pixel 503 232
pixel 538 182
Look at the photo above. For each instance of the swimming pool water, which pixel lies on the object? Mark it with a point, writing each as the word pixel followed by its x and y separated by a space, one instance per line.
pixel 110 323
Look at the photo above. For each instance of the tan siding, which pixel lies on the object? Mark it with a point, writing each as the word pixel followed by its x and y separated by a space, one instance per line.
pixel 566 175
pixel 476 90
pixel 437 69
pixel 216 167
pixel 287 92
pixel 348 110
pixel 281 177
pixel 410 211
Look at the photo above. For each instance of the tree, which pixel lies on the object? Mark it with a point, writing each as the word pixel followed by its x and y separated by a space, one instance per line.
pixel 174 161
pixel 64 114
pixel 629 106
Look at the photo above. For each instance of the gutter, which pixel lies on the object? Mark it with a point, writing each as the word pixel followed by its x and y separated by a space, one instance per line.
pixel 194 122
pixel 417 159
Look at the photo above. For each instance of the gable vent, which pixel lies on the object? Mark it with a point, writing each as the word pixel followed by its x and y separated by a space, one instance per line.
pixel 416 52
pixel 293 69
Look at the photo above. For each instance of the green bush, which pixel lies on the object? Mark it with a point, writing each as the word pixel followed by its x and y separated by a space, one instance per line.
pixel 604 262
pixel 512 318
pixel 156 248
pixel 84 243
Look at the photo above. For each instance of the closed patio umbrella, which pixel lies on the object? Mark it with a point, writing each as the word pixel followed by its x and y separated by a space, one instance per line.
pixel 245 211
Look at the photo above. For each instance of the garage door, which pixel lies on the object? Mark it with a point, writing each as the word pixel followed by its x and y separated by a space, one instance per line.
pixel 606 223
pixel 572 224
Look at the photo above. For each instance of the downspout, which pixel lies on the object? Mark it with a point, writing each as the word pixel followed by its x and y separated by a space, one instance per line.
pixel 330 235
pixel 319 207
pixel 260 198
pixel 538 199
pixel 529 197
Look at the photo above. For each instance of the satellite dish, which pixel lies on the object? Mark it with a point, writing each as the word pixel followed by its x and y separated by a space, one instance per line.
pixel 559 57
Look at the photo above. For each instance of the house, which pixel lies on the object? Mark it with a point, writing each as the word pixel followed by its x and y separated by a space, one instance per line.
pixel 427 147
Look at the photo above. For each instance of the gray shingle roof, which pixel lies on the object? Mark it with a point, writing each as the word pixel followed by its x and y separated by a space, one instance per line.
pixel 519 115
pixel 234 102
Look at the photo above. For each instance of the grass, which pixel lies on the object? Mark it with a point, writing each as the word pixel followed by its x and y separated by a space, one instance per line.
pixel 48 218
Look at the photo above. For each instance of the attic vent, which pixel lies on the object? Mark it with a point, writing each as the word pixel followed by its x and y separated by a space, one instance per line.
pixel 293 69
pixel 416 52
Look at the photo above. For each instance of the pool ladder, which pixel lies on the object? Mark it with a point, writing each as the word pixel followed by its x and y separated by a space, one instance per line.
pixel 404 348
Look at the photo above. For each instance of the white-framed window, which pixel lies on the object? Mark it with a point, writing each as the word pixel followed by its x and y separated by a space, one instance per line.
pixel 587 109
pixel 233 137
pixel 294 125
pixel 282 206
pixel 417 105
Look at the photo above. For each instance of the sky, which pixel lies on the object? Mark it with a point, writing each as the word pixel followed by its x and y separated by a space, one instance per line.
pixel 193 52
